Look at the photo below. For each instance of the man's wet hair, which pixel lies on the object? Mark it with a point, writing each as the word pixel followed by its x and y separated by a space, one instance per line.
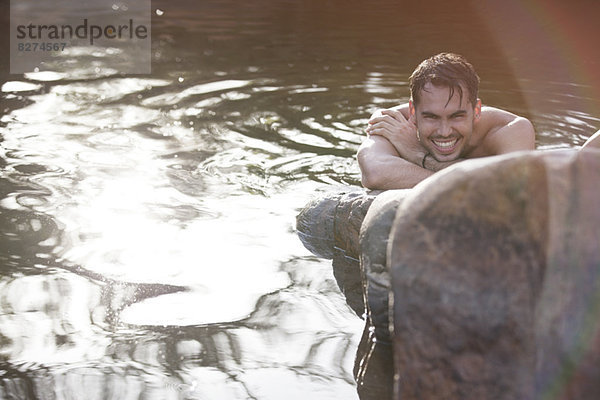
pixel 446 70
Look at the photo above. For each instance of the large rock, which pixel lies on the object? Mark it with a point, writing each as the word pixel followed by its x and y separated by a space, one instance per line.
pixel 495 268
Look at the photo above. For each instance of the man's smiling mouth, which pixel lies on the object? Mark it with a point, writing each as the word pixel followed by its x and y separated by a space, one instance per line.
pixel 445 146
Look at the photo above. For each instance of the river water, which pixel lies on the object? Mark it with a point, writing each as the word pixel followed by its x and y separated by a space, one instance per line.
pixel 147 244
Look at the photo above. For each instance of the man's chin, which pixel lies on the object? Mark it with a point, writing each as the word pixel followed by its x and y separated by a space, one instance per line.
pixel 446 155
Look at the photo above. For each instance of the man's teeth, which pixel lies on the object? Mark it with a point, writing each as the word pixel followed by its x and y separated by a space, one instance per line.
pixel 445 145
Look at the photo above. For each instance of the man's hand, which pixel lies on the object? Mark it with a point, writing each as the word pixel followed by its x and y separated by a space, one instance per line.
pixel 382 168
pixel 400 132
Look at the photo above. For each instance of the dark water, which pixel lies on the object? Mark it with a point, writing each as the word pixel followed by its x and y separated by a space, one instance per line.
pixel 147 246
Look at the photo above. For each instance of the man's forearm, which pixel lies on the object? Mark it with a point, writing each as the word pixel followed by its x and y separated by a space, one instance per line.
pixel 391 173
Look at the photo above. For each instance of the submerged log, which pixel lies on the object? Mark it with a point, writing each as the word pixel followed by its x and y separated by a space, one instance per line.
pixel 333 221
pixel 329 227
pixel 373 240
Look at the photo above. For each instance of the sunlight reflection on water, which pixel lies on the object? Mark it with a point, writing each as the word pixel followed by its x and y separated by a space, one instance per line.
pixel 144 192
pixel 120 212
pixel 147 221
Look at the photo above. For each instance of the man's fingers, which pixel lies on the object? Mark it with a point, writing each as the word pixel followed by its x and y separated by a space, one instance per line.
pixel 388 123
pixel 372 130
pixel 376 130
pixel 386 120
pixel 375 120
pixel 397 115
pixel 385 114
pixel 379 123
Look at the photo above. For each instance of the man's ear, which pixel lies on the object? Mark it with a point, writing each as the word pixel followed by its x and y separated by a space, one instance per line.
pixel 478 109
pixel 412 112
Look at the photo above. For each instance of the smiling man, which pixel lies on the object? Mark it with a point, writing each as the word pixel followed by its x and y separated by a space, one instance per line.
pixel 443 123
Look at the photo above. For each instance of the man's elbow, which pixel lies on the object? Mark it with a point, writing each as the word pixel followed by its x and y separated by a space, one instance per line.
pixel 370 181
pixel 370 176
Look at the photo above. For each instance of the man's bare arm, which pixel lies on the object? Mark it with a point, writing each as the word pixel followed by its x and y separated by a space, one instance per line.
pixel 382 167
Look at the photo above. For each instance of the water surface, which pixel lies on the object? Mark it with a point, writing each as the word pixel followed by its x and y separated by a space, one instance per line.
pixel 147 246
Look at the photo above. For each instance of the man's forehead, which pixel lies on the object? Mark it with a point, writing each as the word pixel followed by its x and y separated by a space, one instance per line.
pixel 447 94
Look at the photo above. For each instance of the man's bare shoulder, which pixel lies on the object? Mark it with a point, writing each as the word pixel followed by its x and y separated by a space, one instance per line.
pixel 493 118
pixel 499 131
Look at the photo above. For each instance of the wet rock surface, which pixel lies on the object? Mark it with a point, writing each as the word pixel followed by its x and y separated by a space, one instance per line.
pixel 495 280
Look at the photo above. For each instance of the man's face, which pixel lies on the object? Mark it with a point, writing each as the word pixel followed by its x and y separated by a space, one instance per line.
pixel 444 127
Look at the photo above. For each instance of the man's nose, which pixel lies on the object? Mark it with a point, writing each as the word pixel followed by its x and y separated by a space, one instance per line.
pixel 445 128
